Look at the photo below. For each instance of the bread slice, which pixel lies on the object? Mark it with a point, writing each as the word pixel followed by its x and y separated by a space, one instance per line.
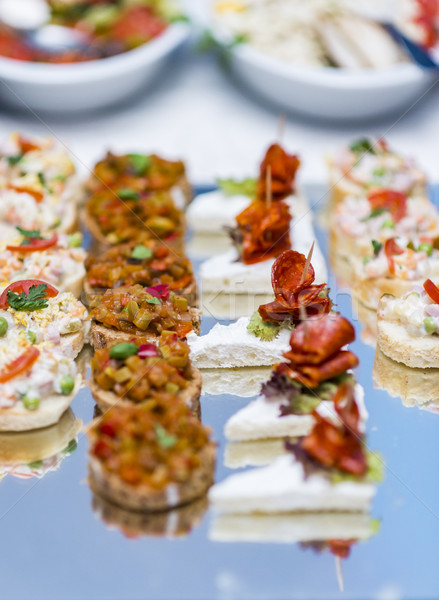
pixel 211 212
pixel 369 291
pixel 396 342
pixel 143 498
pixel 190 396
pixel 261 419
pixel 174 523
pixel 368 319
pixel 72 343
pixel 231 346
pixel 413 386
pixel 244 382
pixel 101 336
pixel 254 453
pixel 282 487
pixel 19 418
pixel 291 528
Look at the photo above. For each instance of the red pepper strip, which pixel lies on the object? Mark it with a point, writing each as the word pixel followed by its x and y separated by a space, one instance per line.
pixel 390 249
pixel 432 290
pixel 20 364
pixel 25 190
pixel 35 245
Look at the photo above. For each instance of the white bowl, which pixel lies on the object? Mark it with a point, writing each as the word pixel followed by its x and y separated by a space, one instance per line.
pixel 330 93
pixel 91 84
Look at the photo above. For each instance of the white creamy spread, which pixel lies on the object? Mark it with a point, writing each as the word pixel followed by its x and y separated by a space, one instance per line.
pixel 233 346
pixel 415 311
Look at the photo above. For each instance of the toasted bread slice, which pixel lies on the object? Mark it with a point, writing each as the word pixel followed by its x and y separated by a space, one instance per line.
pixel 142 498
pixel 18 418
pixel 101 336
pixel 190 396
pixel 72 343
pixel 414 351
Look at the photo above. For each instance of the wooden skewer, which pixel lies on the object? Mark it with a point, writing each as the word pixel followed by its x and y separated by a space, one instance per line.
pixel 281 127
pixel 339 571
pixel 268 194
pixel 307 263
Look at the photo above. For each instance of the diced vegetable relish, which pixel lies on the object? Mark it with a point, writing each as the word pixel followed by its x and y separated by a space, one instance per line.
pixel 135 378
pixel 132 310
pixel 117 267
pixel 148 215
pixel 152 445
pixel 146 172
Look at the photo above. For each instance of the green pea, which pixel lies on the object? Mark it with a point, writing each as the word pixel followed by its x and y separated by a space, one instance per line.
pixel 426 247
pixel 379 172
pixel 366 259
pixel 430 325
pixel 31 336
pixel 124 350
pixel 388 224
pixel 141 252
pixel 67 384
pixel 75 240
pixel 30 402
pixel 3 326
pixel 36 464
pixel 140 162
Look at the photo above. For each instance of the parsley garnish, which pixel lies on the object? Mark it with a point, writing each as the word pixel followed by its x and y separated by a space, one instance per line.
pixel 376 212
pixel 153 300
pixel 41 178
pixel 13 160
pixel 376 247
pixel 362 146
pixel 34 300
pixel 33 234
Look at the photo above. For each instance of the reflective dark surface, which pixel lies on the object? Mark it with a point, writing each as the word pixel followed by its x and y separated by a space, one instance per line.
pixel 55 547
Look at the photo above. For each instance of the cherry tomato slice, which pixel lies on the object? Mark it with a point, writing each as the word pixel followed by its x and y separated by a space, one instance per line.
pixel 432 290
pixel 24 286
pixel 20 364
pixel 35 245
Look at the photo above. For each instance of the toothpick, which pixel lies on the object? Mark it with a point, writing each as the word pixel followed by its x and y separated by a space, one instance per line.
pixel 281 127
pixel 268 194
pixel 307 263
pixel 339 571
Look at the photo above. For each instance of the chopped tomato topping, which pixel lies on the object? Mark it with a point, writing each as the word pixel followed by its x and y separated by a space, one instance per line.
pixel 24 286
pixel 432 290
pixel 20 364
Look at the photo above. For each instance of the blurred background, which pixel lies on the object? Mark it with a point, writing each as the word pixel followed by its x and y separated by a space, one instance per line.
pixel 212 92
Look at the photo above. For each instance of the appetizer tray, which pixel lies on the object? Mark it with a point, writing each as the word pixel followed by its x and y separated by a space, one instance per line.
pixel 58 543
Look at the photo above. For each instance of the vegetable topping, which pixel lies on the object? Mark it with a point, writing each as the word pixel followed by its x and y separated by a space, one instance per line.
pixel 140 372
pixel 152 445
pixel 133 309
pixel 28 294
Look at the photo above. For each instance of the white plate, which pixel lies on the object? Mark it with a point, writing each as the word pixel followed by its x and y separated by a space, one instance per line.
pixel 87 85
pixel 330 93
